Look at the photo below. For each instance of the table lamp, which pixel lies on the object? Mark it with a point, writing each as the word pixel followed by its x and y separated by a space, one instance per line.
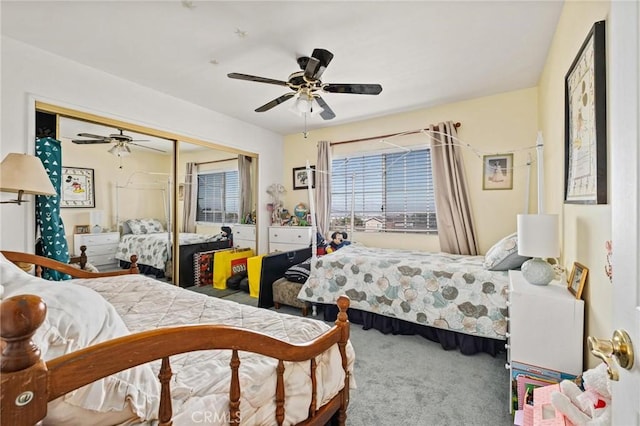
pixel 538 238
pixel 24 174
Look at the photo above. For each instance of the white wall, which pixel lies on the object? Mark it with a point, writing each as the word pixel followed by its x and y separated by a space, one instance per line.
pixel 585 228
pixel 30 74
pixel 490 125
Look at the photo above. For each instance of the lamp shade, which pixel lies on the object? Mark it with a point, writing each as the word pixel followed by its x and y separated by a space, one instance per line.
pixel 538 235
pixel 23 172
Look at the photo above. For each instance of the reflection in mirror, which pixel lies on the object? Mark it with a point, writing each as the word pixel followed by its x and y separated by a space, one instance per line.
pixel 131 183
pixel 134 196
pixel 216 197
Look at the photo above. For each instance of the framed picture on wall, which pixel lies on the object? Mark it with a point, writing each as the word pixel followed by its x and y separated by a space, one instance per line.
pixel 77 188
pixel 585 167
pixel 497 171
pixel 301 178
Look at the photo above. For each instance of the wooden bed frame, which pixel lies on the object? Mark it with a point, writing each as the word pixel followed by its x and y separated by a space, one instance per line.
pixel 28 383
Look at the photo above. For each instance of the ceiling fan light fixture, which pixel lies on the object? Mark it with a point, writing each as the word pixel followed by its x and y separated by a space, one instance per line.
pixel 305 104
pixel 120 150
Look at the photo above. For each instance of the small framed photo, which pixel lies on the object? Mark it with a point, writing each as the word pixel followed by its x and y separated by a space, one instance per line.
pixel 301 178
pixel 77 188
pixel 577 279
pixel 81 229
pixel 497 171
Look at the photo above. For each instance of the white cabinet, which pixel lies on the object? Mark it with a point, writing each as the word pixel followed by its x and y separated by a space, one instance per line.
pixel 545 329
pixel 101 248
pixel 286 238
pixel 244 236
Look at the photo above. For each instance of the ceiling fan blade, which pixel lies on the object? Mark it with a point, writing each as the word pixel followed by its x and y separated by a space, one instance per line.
pixel 328 113
pixel 312 68
pixel 147 147
pixel 92 136
pixel 358 89
pixel 275 102
pixel 255 78
pixel 89 141
pixel 324 56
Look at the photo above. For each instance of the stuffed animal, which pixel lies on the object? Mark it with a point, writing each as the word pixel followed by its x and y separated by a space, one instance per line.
pixel 338 240
pixel 591 406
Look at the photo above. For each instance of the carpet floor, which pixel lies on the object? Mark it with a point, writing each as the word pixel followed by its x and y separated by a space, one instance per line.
pixel 410 380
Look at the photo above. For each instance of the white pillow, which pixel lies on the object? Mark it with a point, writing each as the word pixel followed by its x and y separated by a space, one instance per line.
pixel 78 317
pixel 145 226
pixel 504 255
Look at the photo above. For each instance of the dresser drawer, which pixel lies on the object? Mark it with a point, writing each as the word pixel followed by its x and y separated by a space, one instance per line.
pixel 290 235
pixel 97 239
pixel 246 232
pixel 103 259
pixel 98 250
pixel 286 246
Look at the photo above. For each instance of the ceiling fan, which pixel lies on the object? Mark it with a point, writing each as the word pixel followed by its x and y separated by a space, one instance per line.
pixel 121 141
pixel 306 84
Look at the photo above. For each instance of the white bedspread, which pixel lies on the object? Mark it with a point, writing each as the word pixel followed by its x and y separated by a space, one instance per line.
pixel 200 385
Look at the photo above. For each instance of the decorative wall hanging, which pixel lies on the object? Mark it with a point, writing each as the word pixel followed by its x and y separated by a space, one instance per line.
pixel 77 188
pixel 497 171
pixel 301 178
pixel 585 117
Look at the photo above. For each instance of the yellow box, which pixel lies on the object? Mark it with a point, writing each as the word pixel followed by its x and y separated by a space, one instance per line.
pixel 254 268
pixel 227 263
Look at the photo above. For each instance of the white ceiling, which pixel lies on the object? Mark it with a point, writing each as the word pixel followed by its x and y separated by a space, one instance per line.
pixel 423 53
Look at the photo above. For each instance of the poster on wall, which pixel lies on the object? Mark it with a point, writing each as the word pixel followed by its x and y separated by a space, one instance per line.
pixel 586 122
pixel 77 188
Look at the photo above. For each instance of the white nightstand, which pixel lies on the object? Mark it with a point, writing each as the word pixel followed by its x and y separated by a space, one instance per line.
pixel 286 238
pixel 545 329
pixel 101 248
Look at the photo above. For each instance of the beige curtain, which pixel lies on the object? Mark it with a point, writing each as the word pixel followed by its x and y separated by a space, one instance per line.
pixel 190 204
pixel 244 177
pixel 453 206
pixel 323 187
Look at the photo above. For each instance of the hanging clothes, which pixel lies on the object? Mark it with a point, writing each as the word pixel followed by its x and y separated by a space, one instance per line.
pixel 48 221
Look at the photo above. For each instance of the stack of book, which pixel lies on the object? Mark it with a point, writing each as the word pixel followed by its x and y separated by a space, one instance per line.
pixel 525 378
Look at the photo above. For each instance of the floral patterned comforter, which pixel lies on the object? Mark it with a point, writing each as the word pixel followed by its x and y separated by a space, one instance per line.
pixel 442 290
pixel 153 249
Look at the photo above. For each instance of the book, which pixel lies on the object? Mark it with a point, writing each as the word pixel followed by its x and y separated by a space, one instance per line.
pixel 525 386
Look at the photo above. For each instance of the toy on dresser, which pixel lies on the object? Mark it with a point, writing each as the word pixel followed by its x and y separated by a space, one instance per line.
pixel 338 240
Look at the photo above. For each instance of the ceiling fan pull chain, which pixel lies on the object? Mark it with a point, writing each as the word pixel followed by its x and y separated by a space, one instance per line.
pixel 305 133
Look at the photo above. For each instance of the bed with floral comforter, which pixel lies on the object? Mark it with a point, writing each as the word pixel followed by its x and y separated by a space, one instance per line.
pixel 153 249
pixel 446 291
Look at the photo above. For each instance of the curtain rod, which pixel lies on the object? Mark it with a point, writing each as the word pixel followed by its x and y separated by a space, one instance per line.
pixel 388 136
pixel 216 161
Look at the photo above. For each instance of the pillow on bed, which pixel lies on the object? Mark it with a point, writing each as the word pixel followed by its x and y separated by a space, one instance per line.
pixel 504 255
pixel 299 273
pixel 78 317
pixel 145 226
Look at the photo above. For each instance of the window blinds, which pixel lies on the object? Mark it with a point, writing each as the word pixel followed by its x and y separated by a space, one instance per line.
pixel 393 192
pixel 218 197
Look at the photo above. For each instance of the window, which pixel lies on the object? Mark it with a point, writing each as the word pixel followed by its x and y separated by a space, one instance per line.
pixel 218 197
pixel 392 192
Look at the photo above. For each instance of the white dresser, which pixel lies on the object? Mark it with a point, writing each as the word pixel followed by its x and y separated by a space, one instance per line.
pixel 286 238
pixel 244 236
pixel 545 329
pixel 101 248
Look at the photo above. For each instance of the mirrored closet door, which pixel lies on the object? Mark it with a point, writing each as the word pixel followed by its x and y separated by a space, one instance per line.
pixel 140 183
